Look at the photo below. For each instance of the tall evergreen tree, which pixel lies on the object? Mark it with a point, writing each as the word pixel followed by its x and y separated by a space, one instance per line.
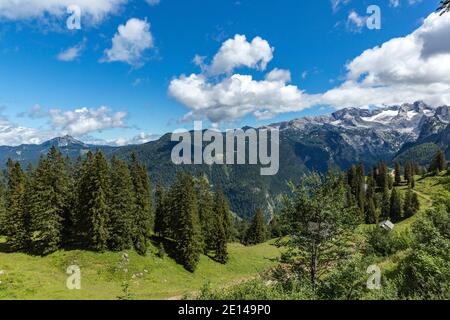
pixel 371 213
pixel 17 218
pixel 438 163
pixel 2 206
pixel 161 211
pixel 408 171
pixel 398 175
pixel 256 233
pixel 408 209
pixel 143 210
pixel 221 226
pixel 122 206
pixel 396 206
pixel 48 202
pixel 98 211
pixel 187 233
pixel 385 204
pixel 205 205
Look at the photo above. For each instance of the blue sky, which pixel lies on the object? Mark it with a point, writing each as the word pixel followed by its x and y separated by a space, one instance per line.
pixel 128 85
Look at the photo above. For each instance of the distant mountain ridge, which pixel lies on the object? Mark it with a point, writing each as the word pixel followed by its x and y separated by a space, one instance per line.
pixel 409 131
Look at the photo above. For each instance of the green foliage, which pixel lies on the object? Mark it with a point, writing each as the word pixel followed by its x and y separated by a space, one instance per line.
pixel 48 202
pixel 385 243
pixel 424 273
pixel 256 233
pixel 143 218
pixel 17 215
pixel 187 232
pixel 321 225
pixel 221 227
pixel 395 212
pixel 122 206
pixel 438 163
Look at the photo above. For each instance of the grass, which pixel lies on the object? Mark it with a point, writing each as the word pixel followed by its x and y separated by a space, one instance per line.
pixel 28 277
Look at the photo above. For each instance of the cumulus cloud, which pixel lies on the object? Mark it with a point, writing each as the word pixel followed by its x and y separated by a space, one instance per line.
pixel 82 121
pixel 414 67
pixel 12 134
pixel 130 43
pixel 238 52
pixel 236 97
pixel 92 11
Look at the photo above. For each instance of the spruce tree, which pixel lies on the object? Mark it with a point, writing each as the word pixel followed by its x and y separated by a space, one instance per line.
pixel 396 206
pixel 407 204
pixel 98 211
pixel 438 163
pixel 398 175
pixel 143 210
pixel 2 206
pixel 385 204
pixel 408 171
pixel 221 227
pixel 256 233
pixel 205 205
pixel 161 211
pixel 17 218
pixel 187 233
pixel 371 214
pixel 415 203
pixel 122 205
pixel 48 202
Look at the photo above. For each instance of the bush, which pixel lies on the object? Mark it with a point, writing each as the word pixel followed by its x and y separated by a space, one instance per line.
pixel 385 243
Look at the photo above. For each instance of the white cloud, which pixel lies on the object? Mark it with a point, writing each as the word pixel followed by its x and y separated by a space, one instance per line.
pixel 355 22
pixel 82 121
pixel 92 11
pixel 130 43
pixel 336 4
pixel 279 75
pixel 153 2
pixel 236 97
pixel 406 69
pixel 238 52
pixel 415 67
pixel 141 138
pixel 71 53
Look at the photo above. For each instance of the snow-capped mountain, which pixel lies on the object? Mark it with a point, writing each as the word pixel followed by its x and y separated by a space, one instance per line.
pixel 369 134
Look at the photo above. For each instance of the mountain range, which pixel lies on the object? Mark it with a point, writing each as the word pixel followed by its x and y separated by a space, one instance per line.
pixel 409 131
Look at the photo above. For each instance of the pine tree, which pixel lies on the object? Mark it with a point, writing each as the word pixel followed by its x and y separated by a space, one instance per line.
pixel 415 203
pixel 122 205
pixel 408 171
pixel 371 213
pixel 407 204
pixel 398 176
pixel 205 205
pixel 438 163
pixel 187 233
pixel 256 233
pixel 385 204
pixel 396 206
pixel 2 206
pixel 16 219
pixel 161 211
pixel 221 226
pixel 360 189
pixel 83 201
pixel 98 211
pixel 143 209
pixel 48 202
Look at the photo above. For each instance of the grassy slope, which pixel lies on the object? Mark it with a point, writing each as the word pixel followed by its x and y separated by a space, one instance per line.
pixel 27 277
pixel 427 189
